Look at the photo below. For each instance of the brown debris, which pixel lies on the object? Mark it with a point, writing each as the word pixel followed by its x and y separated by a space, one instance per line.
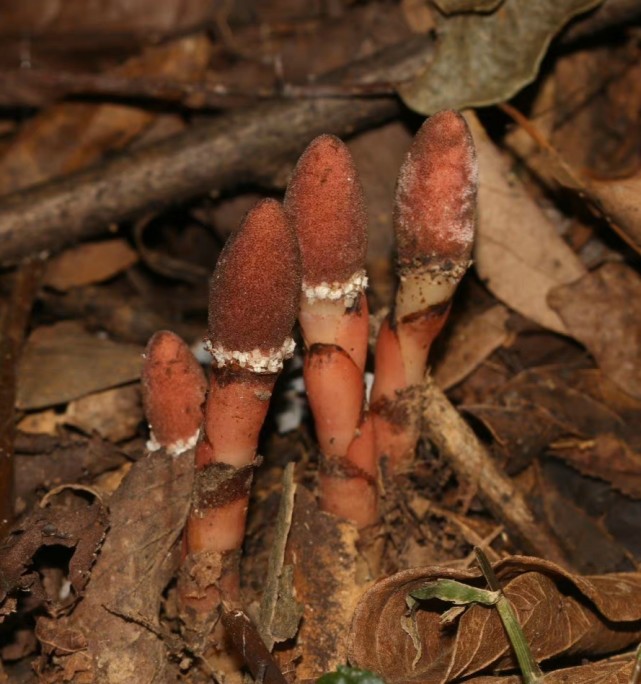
pixel 601 310
pixel 561 614
pixel 117 621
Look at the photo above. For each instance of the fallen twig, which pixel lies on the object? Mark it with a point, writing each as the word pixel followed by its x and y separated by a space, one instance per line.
pixel 470 460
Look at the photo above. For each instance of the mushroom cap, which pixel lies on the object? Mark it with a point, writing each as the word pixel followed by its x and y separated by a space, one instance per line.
pixel 435 207
pixel 173 389
pixel 324 202
pixel 255 288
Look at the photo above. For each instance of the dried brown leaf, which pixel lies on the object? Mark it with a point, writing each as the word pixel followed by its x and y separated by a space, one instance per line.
pixel 602 310
pixel 617 670
pixel 118 618
pixel 561 614
pixel 469 342
pixel 42 148
pixel 518 253
pixel 77 363
pixel 482 59
pixel 578 415
pixel 324 582
pixel 67 520
pixel 107 19
pixel 456 6
pixel 90 263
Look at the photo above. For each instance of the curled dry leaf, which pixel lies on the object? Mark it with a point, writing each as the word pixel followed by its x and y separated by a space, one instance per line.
pixel 602 310
pixel 67 520
pixel 475 61
pixel 617 670
pixel 561 614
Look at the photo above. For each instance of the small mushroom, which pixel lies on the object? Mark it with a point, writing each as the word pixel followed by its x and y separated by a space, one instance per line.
pixel 173 393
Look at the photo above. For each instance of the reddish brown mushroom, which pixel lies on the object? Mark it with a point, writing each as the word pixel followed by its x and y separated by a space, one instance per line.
pixel 434 223
pixel 324 202
pixel 252 309
pixel 173 393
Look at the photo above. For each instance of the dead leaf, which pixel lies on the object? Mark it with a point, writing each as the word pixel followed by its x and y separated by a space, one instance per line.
pixel 457 6
pixel 114 414
pixel 42 150
pixel 518 253
pixel 118 619
pixel 324 582
pixel 475 63
pixel 67 520
pixel 587 540
pixel 617 670
pixel 90 263
pixel 418 15
pixel 41 19
pixel 602 311
pixel 77 363
pixel 578 415
pixel 469 342
pixel 561 614
pixel 45 462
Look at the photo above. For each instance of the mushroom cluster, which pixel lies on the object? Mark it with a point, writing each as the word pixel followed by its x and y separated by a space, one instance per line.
pixel 305 260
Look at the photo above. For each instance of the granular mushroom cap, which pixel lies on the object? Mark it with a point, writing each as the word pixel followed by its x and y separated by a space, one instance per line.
pixel 255 290
pixel 435 208
pixel 325 204
pixel 173 392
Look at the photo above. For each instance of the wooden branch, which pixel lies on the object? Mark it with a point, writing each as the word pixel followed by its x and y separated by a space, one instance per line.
pixel 472 463
pixel 248 146
pixel 36 87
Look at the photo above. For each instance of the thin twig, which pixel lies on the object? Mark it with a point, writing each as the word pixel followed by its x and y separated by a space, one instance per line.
pixel 32 87
pixel 471 462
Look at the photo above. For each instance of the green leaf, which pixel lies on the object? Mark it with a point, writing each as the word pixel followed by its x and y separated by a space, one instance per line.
pixel 455 592
pixel 350 675
pixel 482 59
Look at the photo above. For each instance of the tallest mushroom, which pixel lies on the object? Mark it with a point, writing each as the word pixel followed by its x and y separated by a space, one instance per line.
pixel 434 221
